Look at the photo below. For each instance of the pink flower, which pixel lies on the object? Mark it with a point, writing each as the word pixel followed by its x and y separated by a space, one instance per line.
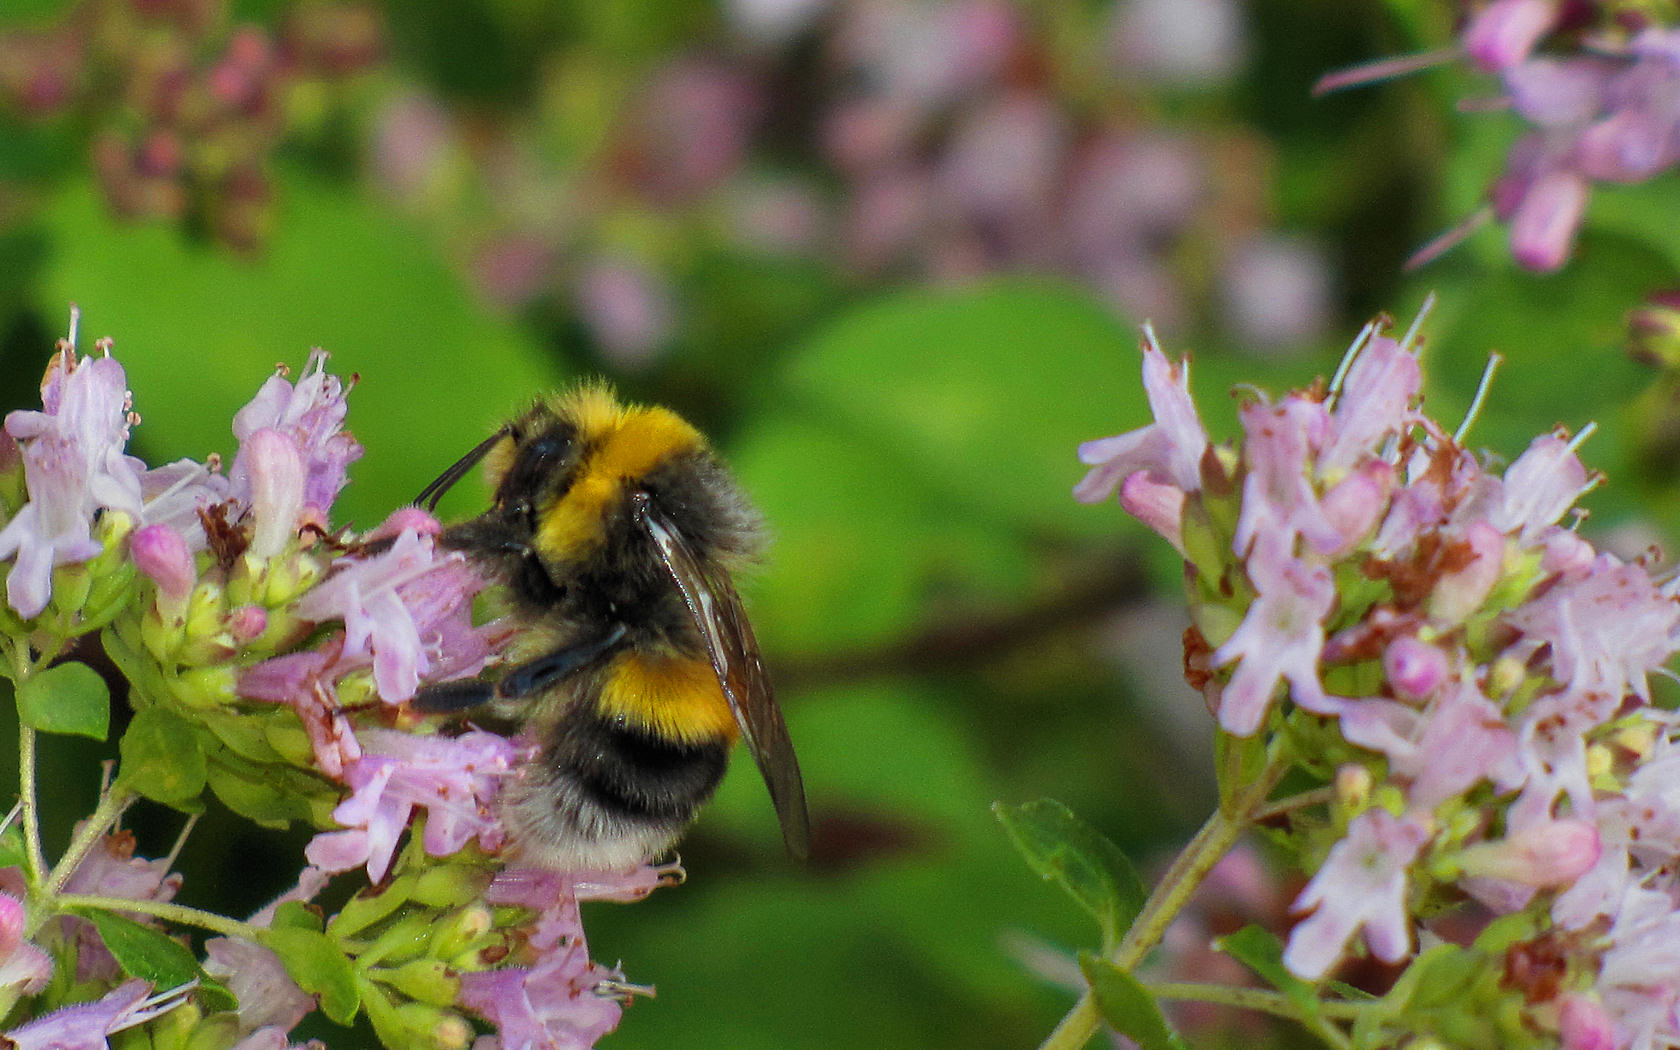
pixel 1281 636
pixel 1455 742
pixel 1170 448
pixel 310 415
pixel 1607 631
pixel 455 780
pixel 1584 1024
pixel 24 967
pixel 1415 669
pixel 1362 885
pixel 307 681
pixel 84 1027
pixel 268 998
pixel 270 471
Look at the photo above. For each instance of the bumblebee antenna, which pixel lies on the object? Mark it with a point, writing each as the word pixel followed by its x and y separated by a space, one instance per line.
pixel 430 495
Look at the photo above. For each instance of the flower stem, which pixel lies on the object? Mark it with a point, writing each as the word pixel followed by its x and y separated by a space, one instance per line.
pixel 1266 1001
pixel 31 814
pixel 207 920
pixel 1169 897
pixel 112 803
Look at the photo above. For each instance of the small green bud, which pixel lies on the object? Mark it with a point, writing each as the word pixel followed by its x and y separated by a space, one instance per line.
pixel 162 637
pixel 207 687
pixel 435 1027
pixel 367 908
pixel 212 1033
pixel 206 609
pixel 404 940
pixel 109 595
pixel 449 885
pixel 424 980
pixel 289 741
pixel 461 933
pixel 71 585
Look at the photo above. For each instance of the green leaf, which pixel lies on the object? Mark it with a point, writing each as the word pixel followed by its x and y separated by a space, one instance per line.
pixel 14 853
pixel 1261 951
pixel 1063 848
pixel 162 758
pixel 153 956
pixel 984 395
pixel 1127 1006
pixel 333 257
pixel 319 967
pixel 67 698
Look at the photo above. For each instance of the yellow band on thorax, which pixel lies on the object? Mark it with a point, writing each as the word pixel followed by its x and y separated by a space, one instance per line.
pixel 623 449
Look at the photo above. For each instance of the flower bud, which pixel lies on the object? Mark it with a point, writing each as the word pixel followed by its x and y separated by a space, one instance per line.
pixel 276 475
pixel 161 553
pixel 425 980
pixel 1504 32
pixel 1550 855
pixel 460 933
pixel 1415 669
pixel 247 623
pixel 435 1027
pixel 449 885
pixel 1354 505
pixel 1458 594
pixel 1584 1024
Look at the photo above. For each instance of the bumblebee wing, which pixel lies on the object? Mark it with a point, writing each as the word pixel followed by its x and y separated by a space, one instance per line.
pixel 729 641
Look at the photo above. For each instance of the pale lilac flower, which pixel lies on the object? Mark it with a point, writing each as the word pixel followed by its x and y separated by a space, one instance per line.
pixel 1639 977
pixel 406 612
pixel 1281 636
pixel 456 780
pixel 1544 225
pixel 112 870
pixel 310 414
pixel 1480 561
pixel 1189 42
pixel 1157 504
pixel 85 1026
pixel 1278 498
pixel 1639 831
pixel 176 494
pixel 631 311
pixel 1170 448
pixel 74 465
pixel 268 997
pixel 1441 750
pixel 553 1002
pixel 1552 750
pixel 1362 885
pixel 1275 291
pixel 1607 631
pixel 307 681
pixel 1543 483
pixel 1373 404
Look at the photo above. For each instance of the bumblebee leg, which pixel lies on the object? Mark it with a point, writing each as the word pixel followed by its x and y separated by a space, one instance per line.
pixel 459 695
pixel 536 675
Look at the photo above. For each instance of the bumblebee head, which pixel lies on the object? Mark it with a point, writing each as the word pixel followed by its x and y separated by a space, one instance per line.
pixel 560 469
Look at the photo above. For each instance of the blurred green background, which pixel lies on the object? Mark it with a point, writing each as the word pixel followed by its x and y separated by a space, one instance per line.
pixel 894 256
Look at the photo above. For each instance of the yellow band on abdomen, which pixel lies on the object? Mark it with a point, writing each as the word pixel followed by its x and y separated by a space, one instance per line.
pixel 675 698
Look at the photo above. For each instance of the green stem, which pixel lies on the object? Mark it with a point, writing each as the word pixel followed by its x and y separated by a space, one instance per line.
pixel 1266 1001
pixel 1169 897
pixel 31 814
pixel 112 803
pixel 208 920
pixel 1315 797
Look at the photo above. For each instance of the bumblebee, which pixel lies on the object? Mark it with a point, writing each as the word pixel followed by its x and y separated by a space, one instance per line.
pixel 614 529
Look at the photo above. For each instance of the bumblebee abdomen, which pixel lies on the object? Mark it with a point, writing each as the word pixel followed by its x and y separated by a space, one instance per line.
pixel 607 793
pixel 670 697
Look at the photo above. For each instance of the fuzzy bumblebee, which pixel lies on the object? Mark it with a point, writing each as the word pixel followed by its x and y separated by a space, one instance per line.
pixel 615 529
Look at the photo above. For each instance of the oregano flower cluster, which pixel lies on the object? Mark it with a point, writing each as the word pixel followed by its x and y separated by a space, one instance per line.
pixel 1452 684
pixel 268 656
